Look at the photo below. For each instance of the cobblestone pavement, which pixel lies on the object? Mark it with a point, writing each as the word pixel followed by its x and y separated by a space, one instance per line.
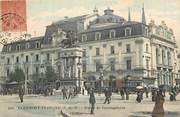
pixel 55 106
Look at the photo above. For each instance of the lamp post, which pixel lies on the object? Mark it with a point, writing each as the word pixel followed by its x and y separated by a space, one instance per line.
pixel 79 76
pixel 25 81
pixel 101 79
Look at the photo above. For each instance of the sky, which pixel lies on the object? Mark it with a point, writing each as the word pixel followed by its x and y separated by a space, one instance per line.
pixel 41 13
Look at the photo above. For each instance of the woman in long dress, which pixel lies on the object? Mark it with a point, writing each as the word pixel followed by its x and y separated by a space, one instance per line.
pixel 158 110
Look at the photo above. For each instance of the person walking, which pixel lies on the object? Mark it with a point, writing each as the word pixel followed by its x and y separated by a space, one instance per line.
pixel 64 92
pixel 92 101
pixel 139 96
pixel 158 110
pixel 146 91
pixel 122 93
pixel 107 96
pixel 21 93
pixel 70 93
pixel 127 94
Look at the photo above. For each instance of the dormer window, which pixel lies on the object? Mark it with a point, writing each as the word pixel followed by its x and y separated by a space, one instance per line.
pixel 112 34
pixel 27 45
pixel 97 36
pixel 9 48
pixel 127 31
pixel 84 38
pixel 37 45
pixel 18 47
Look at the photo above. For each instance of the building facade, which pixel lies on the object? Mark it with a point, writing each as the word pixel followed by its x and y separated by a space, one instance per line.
pixel 114 49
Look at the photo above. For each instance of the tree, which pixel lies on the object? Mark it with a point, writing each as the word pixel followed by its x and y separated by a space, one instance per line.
pixel 50 74
pixel 18 75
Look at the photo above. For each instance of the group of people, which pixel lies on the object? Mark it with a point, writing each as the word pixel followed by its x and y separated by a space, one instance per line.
pixel 154 92
pixel 69 92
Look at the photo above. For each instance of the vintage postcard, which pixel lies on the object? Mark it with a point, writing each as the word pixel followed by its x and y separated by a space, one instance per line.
pixel 89 58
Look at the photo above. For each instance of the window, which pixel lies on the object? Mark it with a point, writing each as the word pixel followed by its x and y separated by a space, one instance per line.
pixel 97 36
pixel 84 67
pixel 84 53
pixel 18 47
pixel 37 70
pixel 104 45
pixel 9 48
pixel 119 44
pixel 8 60
pixel 112 66
pixel 17 59
pixel 97 52
pixel 128 32
pixel 8 72
pixel 27 58
pixel 48 56
pixel 37 57
pixel 147 63
pixel 163 56
pixel 98 67
pixel 84 38
pixel 37 45
pixel 169 58
pixel 128 48
pixel 112 34
pixel 157 56
pixel 112 50
pixel 27 45
pixel 147 48
pixel 128 64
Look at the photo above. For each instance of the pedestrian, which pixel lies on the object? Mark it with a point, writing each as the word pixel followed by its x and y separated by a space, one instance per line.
pixel 158 110
pixel 64 92
pixel 173 94
pixel 21 93
pixel 154 94
pixel 122 93
pixel 83 91
pixel 146 91
pixel 107 96
pixel 92 101
pixel 139 96
pixel 127 94
pixel 70 93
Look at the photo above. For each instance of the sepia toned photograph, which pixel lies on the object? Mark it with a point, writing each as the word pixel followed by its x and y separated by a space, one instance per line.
pixel 89 58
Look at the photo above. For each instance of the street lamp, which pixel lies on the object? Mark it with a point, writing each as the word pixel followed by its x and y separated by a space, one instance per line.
pixel 79 68
pixel 101 79
pixel 25 81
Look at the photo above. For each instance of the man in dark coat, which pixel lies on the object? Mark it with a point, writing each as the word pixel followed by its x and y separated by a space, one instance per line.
pixel 64 92
pixel 122 93
pixel 92 100
pixel 107 96
pixel 21 93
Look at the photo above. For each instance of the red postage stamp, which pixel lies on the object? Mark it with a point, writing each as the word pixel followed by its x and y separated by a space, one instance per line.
pixel 13 15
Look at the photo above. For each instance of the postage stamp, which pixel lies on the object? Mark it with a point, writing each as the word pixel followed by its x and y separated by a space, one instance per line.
pixel 13 15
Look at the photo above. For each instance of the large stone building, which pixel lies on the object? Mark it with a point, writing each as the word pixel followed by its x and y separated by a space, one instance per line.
pixel 114 50
pixel 143 53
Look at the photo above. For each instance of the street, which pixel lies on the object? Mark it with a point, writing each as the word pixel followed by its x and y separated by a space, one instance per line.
pixel 55 106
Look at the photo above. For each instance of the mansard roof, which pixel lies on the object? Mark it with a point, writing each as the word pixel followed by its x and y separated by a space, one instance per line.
pixel 137 29
pixel 11 47
pixel 113 26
